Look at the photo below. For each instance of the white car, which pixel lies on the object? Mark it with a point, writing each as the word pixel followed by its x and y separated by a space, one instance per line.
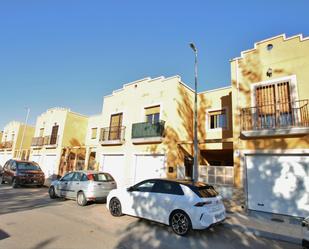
pixel 180 204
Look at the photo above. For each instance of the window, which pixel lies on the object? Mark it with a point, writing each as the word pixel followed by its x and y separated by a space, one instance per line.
pixel 217 119
pixel 145 186
pixel 77 176
pixel 41 132
pixel 13 137
pixel 152 114
pixel 67 177
pixel 166 187
pixel 27 166
pixel 94 133
pixel 54 135
pixel 273 104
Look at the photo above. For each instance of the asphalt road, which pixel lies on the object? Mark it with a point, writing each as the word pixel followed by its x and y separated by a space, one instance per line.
pixel 30 220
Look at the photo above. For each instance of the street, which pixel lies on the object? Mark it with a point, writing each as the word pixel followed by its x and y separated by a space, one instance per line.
pixel 30 220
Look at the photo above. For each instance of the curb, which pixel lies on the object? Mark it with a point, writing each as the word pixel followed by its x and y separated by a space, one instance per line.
pixel 268 235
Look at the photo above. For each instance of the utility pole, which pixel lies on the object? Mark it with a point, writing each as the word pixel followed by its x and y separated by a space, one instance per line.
pixel 23 136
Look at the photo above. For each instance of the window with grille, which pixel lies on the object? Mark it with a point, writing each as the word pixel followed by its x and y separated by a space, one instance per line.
pixel 115 127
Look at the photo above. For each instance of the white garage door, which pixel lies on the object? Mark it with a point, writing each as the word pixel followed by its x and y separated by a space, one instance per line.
pixel 36 158
pixel 114 165
pixel 48 165
pixel 149 166
pixel 2 159
pixel 278 184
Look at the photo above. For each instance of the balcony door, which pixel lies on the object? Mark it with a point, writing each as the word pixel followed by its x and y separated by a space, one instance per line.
pixel 152 114
pixel 54 134
pixel 273 105
pixel 115 127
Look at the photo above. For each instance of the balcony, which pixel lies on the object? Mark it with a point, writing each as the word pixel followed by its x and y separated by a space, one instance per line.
pixel 148 132
pixel 112 135
pixel 37 142
pixel 290 118
pixel 6 145
pixel 51 141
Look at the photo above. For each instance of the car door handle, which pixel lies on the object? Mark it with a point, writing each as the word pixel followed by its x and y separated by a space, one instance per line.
pixel 66 183
pixel 77 183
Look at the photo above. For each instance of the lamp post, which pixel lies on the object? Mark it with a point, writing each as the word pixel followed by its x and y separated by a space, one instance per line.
pixel 195 142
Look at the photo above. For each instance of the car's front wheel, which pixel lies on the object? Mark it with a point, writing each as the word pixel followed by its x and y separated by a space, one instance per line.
pixel 52 193
pixel 115 207
pixel 81 199
pixel 180 222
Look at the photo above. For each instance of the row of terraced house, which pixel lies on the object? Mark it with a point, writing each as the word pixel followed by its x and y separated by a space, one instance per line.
pixel 253 135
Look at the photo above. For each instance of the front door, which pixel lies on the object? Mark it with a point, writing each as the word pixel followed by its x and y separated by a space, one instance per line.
pixel 62 187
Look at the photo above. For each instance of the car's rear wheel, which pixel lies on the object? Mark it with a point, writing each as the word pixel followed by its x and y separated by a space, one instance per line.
pixel 115 207
pixel 14 183
pixel 52 193
pixel 81 199
pixel 180 222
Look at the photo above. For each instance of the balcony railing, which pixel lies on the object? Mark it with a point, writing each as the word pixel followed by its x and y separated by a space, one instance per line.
pixel 112 135
pixel 6 145
pixel 37 141
pixel 51 140
pixel 286 115
pixel 148 130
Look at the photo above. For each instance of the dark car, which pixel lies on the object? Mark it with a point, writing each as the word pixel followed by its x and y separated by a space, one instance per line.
pixel 19 172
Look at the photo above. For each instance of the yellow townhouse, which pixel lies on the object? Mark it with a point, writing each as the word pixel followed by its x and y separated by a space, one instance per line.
pixel 270 92
pixel 58 144
pixel 145 131
pixel 138 134
pixel 15 141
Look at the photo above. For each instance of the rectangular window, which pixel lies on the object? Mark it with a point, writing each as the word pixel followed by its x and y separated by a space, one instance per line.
pixel 94 133
pixel 152 114
pixel 41 132
pixel 217 119
pixel 54 135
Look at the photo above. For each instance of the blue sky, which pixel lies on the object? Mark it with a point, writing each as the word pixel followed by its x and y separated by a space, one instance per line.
pixel 72 53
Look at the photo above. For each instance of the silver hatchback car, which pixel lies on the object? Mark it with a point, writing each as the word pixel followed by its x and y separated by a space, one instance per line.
pixel 83 186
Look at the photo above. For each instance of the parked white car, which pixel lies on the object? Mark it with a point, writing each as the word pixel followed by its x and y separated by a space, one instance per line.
pixel 305 242
pixel 180 204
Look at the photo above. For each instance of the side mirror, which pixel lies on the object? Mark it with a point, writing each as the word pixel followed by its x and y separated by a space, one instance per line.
pixel 305 222
pixel 130 189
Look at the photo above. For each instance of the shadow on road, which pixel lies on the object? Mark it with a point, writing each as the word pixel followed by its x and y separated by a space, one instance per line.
pixel 150 235
pixel 23 198
pixel 3 235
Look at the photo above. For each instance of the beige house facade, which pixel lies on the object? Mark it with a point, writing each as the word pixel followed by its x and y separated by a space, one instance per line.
pixel 270 93
pixel 58 144
pixel 15 141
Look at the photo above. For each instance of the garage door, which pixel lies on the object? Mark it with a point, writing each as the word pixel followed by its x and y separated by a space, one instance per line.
pixel 2 159
pixel 114 165
pixel 36 158
pixel 149 166
pixel 278 184
pixel 48 165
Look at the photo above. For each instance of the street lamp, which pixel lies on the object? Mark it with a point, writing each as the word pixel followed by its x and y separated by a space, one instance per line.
pixel 195 165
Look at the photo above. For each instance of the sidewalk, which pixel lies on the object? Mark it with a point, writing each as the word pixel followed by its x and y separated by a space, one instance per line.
pixel 278 227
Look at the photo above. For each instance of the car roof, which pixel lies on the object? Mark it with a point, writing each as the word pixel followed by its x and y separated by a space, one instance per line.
pixel 88 171
pixel 183 181
pixel 22 161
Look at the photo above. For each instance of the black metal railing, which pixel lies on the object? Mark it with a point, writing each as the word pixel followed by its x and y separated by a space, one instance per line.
pixel 144 130
pixel 273 116
pixel 112 133
pixel 51 140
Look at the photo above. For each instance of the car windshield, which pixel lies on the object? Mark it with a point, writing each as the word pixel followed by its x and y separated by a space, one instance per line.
pixel 206 191
pixel 27 166
pixel 102 177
